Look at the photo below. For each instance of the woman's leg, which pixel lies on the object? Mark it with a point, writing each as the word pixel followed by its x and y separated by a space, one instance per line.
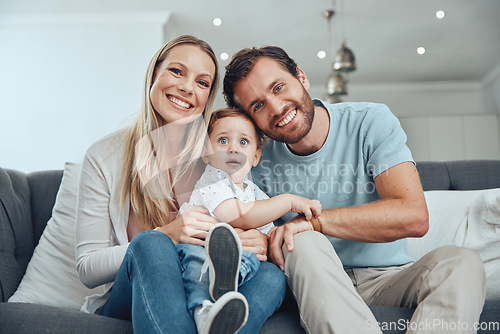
pixel 148 288
pixel 264 294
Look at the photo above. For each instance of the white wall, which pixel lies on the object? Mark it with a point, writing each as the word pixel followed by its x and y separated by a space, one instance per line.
pixel 68 80
pixel 443 120
pixel 453 137
pixel 418 99
pixel 491 91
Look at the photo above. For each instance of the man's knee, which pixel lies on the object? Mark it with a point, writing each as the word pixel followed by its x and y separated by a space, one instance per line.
pixel 462 261
pixel 312 251
pixel 459 256
pixel 311 239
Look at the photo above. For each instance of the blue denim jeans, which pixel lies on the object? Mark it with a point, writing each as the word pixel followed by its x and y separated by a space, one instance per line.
pixel 196 285
pixel 149 290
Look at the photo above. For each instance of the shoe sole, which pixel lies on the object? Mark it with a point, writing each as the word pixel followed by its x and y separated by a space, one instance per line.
pixel 224 254
pixel 231 317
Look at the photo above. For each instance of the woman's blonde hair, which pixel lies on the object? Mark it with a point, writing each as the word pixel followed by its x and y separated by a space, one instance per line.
pixel 148 186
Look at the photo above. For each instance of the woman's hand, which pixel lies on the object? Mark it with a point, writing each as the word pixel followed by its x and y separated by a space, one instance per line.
pixel 254 241
pixel 284 234
pixel 191 227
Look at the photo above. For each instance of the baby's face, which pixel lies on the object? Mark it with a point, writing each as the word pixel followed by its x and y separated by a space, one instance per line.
pixel 234 147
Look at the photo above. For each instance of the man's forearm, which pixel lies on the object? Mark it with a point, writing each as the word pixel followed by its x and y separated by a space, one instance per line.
pixel 382 221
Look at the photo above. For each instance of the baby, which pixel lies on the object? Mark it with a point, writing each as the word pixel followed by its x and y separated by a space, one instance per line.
pixel 235 146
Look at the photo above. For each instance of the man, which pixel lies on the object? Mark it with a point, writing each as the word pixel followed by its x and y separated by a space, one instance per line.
pixel 353 158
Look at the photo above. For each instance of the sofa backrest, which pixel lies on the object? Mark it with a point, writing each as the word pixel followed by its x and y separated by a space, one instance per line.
pixel 459 175
pixel 44 186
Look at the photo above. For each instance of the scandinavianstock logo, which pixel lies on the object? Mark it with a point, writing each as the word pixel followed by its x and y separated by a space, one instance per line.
pixel 320 179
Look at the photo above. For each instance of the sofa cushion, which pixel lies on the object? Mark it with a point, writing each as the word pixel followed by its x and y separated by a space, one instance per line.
pixel 16 233
pixel 51 277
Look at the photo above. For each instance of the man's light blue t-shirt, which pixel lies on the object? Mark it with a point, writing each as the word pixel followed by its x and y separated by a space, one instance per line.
pixel 364 140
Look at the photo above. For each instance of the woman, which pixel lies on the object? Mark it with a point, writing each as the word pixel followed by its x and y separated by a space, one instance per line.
pixel 133 180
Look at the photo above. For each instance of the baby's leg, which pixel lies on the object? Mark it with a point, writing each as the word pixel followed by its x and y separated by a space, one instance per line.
pixel 223 247
pixel 192 258
pixel 248 268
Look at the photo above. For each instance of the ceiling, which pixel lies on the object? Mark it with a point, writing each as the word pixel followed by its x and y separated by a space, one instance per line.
pixel 384 34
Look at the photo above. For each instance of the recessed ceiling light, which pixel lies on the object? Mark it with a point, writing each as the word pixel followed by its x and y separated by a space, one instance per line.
pixel 224 56
pixel 217 21
pixel 440 14
pixel 321 54
pixel 421 50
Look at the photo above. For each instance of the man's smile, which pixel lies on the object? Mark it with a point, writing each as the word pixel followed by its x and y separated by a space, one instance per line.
pixel 287 118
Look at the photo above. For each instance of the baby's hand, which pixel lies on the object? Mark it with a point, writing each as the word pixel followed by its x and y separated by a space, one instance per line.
pixel 306 206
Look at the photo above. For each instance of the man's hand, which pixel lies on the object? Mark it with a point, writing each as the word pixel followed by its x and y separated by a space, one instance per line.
pixel 284 234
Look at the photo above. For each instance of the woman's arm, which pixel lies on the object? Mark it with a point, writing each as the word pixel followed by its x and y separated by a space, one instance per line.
pixel 259 213
pixel 98 255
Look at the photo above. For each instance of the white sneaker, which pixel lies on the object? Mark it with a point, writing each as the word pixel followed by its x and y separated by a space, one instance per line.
pixel 223 247
pixel 226 316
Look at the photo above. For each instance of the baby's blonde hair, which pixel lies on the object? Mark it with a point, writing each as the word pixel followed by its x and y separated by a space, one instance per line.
pixel 236 112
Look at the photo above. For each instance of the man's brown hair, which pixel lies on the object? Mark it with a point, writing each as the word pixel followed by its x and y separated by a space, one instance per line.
pixel 243 62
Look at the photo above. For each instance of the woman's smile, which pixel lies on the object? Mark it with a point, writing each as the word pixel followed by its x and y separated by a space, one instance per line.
pixel 178 102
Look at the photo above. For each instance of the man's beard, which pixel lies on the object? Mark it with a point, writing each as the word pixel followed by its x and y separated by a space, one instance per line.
pixel 306 107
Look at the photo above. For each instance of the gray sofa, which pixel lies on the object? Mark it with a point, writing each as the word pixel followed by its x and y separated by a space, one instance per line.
pixel 26 202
